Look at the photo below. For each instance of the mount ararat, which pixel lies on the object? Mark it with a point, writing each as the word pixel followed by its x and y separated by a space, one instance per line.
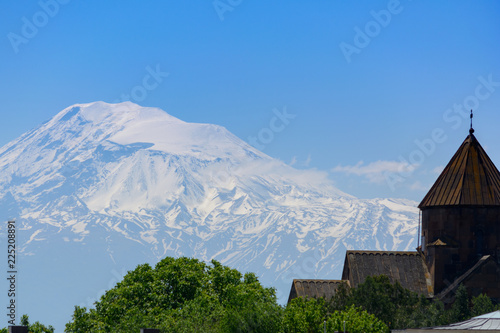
pixel 101 188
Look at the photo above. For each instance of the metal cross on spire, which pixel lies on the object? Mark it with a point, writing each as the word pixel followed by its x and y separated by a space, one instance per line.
pixel 471 116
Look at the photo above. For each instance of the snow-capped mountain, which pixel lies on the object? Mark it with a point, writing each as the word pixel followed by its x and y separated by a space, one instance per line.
pixel 101 188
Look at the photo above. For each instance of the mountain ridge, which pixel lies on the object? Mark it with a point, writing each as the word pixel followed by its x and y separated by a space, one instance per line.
pixel 103 186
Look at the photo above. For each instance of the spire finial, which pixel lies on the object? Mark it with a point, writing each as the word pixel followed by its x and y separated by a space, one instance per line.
pixel 471 116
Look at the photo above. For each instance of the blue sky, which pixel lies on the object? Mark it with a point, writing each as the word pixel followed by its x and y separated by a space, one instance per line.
pixel 377 91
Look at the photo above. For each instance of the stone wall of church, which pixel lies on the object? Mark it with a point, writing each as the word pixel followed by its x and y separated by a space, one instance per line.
pixel 465 234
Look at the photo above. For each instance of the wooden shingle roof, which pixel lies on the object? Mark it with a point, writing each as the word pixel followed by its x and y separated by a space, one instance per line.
pixel 470 178
pixel 314 288
pixel 408 268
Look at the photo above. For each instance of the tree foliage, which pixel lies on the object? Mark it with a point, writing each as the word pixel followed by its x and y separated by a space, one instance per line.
pixel 311 316
pixel 36 327
pixel 355 320
pixel 481 304
pixel 304 315
pixel 400 308
pixel 182 295
pixel 460 310
pixel 186 295
pixel 396 306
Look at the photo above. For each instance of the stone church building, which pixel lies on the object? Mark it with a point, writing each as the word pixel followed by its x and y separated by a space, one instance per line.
pixel 460 237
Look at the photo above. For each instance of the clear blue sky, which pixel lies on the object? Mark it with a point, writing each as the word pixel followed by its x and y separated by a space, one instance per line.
pixel 364 79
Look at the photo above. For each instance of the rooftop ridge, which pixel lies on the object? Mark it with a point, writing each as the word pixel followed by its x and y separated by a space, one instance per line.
pixel 317 280
pixel 470 178
pixel 382 252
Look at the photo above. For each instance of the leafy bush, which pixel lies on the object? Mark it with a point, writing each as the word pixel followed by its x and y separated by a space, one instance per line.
pixel 36 327
pixel 355 320
pixel 182 295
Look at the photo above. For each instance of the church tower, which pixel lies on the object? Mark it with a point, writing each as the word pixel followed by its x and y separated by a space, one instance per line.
pixel 461 223
pixel 460 238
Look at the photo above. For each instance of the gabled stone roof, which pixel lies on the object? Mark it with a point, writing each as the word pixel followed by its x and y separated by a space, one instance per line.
pixel 408 268
pixel 470 178
pixel 314 288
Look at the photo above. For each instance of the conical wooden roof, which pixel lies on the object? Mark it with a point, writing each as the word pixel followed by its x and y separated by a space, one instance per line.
pixel 470 178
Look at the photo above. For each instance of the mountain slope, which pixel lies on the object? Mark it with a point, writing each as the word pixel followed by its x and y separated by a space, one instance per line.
pixel 102 187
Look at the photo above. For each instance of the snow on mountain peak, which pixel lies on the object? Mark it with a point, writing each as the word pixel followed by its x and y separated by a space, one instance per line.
pixel 101 112
pixel 141 158
pixel 128 123
pixel 110 116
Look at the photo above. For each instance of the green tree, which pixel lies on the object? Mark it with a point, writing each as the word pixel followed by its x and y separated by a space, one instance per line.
pixel 304 315
pixel 81 321
pixel 378 296
pixel 355 320
pixel 36 327
pixel 182 295
pixel 342 299
pixel 460 310
pixel 308 315
pixel 396 306
pixel 481 304
pixel 419 313
pixel 251 308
